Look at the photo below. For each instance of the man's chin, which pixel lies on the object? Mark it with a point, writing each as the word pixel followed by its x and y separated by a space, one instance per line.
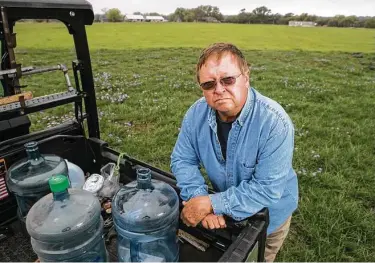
pixel 224 110
pixel 224 107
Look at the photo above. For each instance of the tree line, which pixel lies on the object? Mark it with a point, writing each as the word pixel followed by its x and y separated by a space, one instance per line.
pixel 259 15
pixel 263 15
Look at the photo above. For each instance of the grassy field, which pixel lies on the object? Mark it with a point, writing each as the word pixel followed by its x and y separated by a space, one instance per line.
pixel 187 35
pixel 311 72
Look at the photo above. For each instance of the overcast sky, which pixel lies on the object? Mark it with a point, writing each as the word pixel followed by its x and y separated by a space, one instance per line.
pixel 318 7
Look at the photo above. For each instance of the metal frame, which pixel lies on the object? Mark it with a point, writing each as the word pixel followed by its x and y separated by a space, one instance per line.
pixel 75 20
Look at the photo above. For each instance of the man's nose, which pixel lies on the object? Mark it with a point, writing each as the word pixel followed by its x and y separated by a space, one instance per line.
pixel 219 88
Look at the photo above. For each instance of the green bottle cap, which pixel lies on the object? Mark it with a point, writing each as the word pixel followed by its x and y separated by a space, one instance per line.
pixel 58 183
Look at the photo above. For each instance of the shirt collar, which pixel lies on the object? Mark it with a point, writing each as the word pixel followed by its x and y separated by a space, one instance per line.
pixel 240 119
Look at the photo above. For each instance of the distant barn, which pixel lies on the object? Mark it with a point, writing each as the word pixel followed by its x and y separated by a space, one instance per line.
pixel 210 19
pixel 134 18
pixel 302 23
pixel 155 19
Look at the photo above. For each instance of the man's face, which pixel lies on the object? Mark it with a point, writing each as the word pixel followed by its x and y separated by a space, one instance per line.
pixel 228 100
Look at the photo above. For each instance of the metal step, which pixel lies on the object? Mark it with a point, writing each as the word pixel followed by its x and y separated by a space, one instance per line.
pixel 41 103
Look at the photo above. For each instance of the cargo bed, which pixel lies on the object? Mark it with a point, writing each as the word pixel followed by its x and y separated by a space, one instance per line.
pixel 236 243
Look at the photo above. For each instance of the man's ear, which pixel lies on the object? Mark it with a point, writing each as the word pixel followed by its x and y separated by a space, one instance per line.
pixel 248 72
pixel 247 76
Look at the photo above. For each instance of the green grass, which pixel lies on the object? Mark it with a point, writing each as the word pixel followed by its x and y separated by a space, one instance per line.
pixel 329 96
pixel 171 35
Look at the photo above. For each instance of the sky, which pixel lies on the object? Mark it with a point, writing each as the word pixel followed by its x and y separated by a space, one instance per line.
pixel 317 7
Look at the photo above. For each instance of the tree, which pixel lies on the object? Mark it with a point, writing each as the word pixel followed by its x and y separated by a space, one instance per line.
pixel 334 22
pixel 217 14
pixel 262 11
pixel 322 21
pixel 204 11
pixel 339 19
pixel 114 15
pixel 359 23
pixel 179 14
pixel 348 21
pixel 171 17
pixel 245 18
pixel 276 19
pixel 207 9
pixel 189 15
pixel 231 19
pixel 97 17
pixel 286 18
pixel 370 23
pixel 303 17
pixel 137 13
pixel 262 15
pixel 313 18
pixel 199 14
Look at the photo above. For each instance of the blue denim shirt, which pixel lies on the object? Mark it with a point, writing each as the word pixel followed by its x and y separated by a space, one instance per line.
pixel 257 172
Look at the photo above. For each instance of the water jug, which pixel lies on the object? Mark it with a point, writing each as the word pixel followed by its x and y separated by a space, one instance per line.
pixel 66 225
pixel 76 175
pixel 145 213
pixel 28 178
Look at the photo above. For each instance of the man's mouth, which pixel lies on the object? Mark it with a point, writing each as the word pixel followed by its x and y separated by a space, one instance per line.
pixel 221 99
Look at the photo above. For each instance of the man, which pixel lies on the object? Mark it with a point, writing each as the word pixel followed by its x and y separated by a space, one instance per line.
pixel 244 141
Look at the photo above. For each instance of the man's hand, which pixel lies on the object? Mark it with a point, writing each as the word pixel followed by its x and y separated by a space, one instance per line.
pixel 213 221
pixel 195 210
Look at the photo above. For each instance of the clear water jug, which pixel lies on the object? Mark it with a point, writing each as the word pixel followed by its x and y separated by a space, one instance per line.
pixel 76 175
pixel 66 225
pixel 145 213
pixel 28 178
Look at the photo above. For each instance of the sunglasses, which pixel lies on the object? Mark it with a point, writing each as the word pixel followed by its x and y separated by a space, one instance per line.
pixel 226 81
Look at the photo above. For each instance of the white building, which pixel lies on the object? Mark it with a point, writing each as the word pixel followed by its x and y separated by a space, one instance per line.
pixel 134 18
pixel 155 19
pixel 302 23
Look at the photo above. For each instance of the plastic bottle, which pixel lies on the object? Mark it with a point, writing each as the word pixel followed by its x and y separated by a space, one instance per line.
pixel 66 225
pixel 28 178
pixel 76 175
pixel 145 213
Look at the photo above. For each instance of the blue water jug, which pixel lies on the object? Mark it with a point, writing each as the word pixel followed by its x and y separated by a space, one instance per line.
pixel 66 225
pixel 28 178
pixel 145 213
